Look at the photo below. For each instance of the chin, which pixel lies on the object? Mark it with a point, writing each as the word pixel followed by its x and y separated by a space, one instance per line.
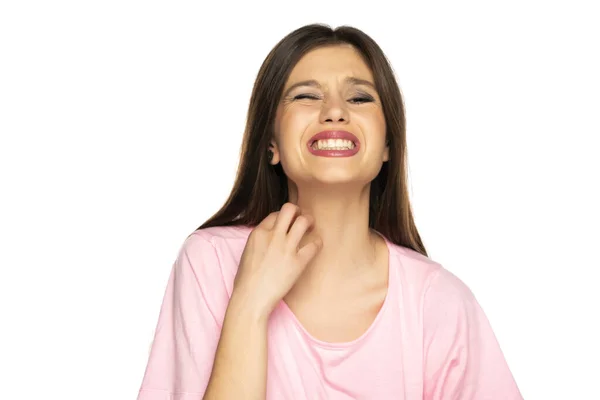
pixel 333 175
pixel 338 177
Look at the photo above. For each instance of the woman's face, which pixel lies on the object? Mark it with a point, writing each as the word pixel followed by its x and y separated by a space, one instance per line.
pixel 331 103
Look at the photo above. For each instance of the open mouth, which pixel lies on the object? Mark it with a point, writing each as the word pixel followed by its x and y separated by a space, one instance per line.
pixel 333 144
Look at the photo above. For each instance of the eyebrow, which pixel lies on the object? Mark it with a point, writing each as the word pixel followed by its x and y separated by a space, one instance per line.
pixel 311 82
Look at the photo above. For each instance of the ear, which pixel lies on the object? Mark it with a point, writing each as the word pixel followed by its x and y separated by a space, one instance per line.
pixel 386 151
pixel 275 149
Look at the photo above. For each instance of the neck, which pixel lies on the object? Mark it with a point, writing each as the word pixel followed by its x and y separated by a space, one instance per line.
pixel 342 222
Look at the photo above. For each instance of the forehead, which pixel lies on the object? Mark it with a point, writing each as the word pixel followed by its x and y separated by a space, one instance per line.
pixel 331 62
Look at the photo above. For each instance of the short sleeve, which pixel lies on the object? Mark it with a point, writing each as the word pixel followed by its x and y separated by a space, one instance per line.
pixel 189 325
pixel 462 357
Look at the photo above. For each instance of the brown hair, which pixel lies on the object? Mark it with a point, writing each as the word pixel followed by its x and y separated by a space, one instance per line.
pixel 261 188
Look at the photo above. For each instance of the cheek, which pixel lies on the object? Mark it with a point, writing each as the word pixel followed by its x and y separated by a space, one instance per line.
pixel 375 118
pixel 290 152
pixel 372 123
pixel 301 115
pixel 294 124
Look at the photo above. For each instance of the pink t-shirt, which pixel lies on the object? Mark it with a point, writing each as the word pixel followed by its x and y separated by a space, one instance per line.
pixel 430 340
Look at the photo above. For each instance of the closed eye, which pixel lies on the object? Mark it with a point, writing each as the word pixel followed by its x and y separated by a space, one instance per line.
pixel 356 100
pixel 362 99
pixel 305 96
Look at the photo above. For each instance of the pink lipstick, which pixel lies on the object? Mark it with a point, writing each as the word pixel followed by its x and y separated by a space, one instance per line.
pixel 348 144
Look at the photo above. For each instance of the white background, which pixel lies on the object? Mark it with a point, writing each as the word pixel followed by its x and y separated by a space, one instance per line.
pixel 121 123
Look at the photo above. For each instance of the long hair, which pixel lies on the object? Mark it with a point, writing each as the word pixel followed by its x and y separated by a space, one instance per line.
pixel 261 188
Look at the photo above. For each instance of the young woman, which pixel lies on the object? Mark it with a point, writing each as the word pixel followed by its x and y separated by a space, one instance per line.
pixel 312 281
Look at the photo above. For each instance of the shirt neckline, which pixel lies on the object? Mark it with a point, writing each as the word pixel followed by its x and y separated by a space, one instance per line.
pixel 344 345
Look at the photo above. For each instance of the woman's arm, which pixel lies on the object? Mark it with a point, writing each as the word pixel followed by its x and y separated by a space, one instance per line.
pixel 209 345
pixel 270 264
pixel 240 365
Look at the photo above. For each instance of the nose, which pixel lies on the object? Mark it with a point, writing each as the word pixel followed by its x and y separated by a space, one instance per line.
pixel 334 110
pixel 340 119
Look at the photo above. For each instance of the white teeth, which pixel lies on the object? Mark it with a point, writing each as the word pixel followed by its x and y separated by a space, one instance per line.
pixel 333 144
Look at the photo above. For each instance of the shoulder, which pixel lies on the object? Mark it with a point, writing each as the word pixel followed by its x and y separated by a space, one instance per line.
pixel 414 270
pixel 425 277
pixel 226 241
pixel 218 247
pixel 215 234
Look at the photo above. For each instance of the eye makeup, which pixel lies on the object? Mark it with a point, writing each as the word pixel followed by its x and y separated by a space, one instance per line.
pixel 360 98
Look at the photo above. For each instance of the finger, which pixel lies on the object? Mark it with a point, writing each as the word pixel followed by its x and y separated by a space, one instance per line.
pixel 269 221
pixel 309 251
pixel 285 218
pixel 299 228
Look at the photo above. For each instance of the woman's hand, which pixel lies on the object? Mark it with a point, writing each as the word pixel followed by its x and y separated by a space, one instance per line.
pixel 272 260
